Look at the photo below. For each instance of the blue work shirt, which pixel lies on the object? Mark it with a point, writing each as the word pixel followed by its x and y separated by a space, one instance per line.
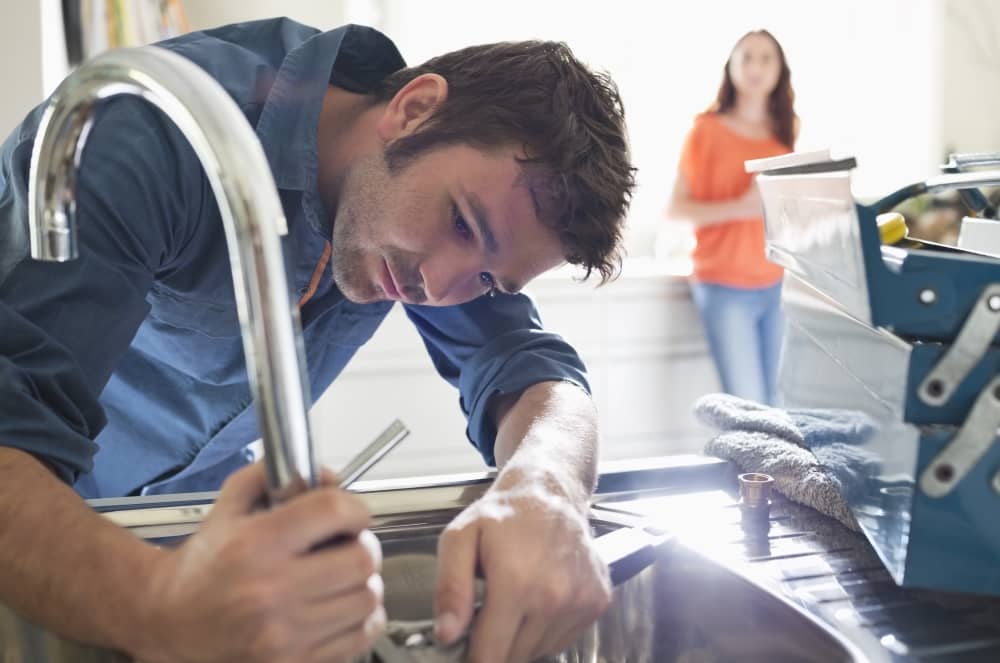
pixel 123 370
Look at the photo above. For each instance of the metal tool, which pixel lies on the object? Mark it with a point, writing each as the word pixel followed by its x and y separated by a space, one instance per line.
pixel 355 468
pixel 755 504
pixel 373 453
pixel 413 642
pixel 755 489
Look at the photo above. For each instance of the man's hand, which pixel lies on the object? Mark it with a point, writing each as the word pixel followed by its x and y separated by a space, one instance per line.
pixel 252 585
pixel 545 583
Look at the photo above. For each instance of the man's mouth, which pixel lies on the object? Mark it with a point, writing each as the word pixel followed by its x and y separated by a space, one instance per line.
pixel 388 283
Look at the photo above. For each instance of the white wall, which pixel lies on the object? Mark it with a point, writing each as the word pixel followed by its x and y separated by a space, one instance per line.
pixel 970 76
pixel 21 54
pixel 323 14
pixel 639 337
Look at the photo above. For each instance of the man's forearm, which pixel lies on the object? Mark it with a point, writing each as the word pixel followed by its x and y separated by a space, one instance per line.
pixel 529 534
pixel 64 566
pixel 548 434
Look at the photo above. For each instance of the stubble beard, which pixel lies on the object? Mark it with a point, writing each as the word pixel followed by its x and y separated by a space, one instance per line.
pixel 348 267
pixel 356 210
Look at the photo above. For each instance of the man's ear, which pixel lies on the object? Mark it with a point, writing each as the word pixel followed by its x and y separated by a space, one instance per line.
pixel 415 102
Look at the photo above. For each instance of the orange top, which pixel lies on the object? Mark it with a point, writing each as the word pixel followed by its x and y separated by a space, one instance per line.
pixel 729 253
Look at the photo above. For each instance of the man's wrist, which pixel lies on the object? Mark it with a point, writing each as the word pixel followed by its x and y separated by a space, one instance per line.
pixel 545 484
pixel 144 638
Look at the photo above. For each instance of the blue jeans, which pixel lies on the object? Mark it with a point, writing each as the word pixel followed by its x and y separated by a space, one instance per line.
pixel 744 328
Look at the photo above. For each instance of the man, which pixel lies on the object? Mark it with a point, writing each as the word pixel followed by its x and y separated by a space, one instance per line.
pixel 447 187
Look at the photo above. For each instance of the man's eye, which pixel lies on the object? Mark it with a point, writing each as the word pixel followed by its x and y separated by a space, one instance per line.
pixel 489 283
pixel 461 225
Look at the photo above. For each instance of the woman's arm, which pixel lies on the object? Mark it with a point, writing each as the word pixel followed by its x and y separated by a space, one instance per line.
pixel 682 207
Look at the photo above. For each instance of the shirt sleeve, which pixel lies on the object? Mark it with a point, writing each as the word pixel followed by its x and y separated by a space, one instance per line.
pixel 692 152
pixel 64 325
pixel 490 346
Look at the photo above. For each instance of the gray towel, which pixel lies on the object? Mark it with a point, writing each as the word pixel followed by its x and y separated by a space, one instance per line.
pixel 808 427
pixel 812 454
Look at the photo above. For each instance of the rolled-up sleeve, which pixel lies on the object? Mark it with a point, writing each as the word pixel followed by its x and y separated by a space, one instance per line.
pixel 493 346
pixel 63 326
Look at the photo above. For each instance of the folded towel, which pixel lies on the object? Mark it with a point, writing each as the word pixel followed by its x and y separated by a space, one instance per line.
pixel 809 427
pixel 811 453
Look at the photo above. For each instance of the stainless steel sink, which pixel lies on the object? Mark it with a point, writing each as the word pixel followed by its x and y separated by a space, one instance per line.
pixel 684 607
pixel 23 642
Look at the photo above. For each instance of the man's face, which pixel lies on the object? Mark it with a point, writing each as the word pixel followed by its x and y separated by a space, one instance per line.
pixel 443 230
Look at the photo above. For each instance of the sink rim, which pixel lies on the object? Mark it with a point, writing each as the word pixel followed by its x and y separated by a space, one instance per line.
pixel 408 507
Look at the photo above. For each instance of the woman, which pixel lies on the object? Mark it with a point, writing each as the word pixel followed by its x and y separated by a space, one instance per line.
pixel 736 289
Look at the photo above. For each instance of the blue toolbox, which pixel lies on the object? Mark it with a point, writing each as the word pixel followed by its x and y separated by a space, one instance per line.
pixel 906 334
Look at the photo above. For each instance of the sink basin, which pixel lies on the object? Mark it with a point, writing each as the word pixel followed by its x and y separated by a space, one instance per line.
pixel 23 642
pixel 683 607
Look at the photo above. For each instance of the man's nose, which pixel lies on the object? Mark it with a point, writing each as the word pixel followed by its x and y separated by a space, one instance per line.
pixel 449 278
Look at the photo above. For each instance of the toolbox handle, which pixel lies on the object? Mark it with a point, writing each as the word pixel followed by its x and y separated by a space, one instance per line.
pixel 973 199
pixel 938 183
pixel 959 162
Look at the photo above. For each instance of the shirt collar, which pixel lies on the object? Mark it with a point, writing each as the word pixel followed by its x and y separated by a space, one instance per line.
pixel 353 57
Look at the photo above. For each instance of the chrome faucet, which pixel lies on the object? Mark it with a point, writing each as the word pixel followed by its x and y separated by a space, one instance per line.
pixel 244 189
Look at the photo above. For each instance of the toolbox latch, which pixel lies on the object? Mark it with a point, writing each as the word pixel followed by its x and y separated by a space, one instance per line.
pixel 968 348
pixel 964 450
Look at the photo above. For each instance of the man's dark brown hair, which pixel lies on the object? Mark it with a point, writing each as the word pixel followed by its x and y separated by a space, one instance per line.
pixel 569 120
